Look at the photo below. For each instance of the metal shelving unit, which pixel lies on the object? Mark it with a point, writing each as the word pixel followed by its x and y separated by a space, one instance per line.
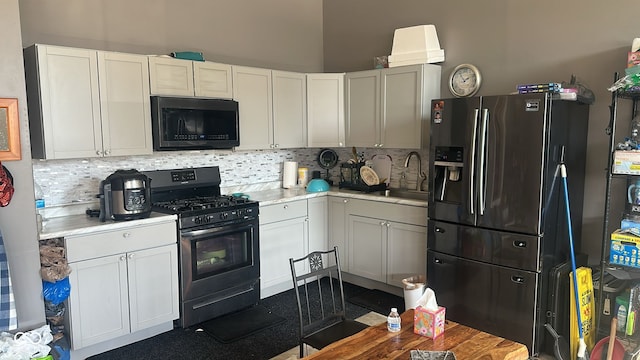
pixel 620 272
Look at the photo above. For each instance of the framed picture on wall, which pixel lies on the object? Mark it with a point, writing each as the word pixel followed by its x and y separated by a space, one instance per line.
pixel 9 130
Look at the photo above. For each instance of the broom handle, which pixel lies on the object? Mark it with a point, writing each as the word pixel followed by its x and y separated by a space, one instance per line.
pixel 563 171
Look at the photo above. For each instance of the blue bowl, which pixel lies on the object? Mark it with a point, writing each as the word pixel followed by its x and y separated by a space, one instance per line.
pixel 317 185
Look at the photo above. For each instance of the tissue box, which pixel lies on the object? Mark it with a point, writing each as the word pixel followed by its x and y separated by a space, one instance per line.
pixel 427 322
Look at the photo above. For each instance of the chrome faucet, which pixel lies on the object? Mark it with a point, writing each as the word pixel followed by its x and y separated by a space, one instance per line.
pixel 421 176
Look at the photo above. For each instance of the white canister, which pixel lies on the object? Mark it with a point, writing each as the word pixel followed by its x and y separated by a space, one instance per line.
pixel 303 176
pixel 289 174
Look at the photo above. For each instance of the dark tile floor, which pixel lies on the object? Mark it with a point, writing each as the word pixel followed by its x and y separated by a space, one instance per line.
pixel 195 345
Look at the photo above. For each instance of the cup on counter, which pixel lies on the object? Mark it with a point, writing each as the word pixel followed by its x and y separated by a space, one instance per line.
pixel 240 195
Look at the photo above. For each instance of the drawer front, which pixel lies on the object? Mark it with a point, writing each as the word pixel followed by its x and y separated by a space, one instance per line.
pixel 283 211
pixel 497 247
pixel 406 214
pixel 90 246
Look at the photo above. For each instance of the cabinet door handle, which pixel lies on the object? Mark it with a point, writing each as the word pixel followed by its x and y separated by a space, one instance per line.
pixel 345 201
pixel 123 258
pixel 388 224
pixel 131 256
pixel 285 207
pixel 98 152
pixel 517 279
pixel 382 223
pixel 107 152
pixel 126 235
pixel 439 230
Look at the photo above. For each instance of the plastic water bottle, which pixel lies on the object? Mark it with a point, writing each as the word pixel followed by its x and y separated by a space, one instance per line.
pixel 393 320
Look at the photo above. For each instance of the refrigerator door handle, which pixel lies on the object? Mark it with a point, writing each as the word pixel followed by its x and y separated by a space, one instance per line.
pixel 483 165
pixel 473 161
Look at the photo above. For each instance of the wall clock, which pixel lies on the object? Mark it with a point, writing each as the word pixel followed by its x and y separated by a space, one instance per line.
pixel 465 80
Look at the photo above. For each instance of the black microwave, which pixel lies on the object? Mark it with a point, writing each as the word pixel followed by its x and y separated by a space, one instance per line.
pixel 194 124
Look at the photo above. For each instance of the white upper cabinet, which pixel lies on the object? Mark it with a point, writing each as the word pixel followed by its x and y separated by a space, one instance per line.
pixel 272 108
pixel 87 103
pixel 362 110
pixel 178 77
pixel 212 80
pixel 253 90
pixel 169 76
pixel 124 104
pixel 289 110
pixel 390 108
pixel 325 110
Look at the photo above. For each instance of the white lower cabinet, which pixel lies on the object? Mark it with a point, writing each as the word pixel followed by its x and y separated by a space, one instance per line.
pixel 122 281
pixel 386 242
pixel 367 247
pixel 318 219
pixel 338 229
pixel 283 235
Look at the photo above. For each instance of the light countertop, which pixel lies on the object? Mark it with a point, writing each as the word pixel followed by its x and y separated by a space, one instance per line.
pixel 79 224
pixel 275 196
pixel 72 225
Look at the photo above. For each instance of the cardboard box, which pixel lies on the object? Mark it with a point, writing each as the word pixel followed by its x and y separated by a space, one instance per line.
pixel 626 162
pixel 428 323
pixel 625 249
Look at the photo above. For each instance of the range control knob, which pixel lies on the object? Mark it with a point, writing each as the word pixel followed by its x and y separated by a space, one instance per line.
pixel 224 215
pixel 197 220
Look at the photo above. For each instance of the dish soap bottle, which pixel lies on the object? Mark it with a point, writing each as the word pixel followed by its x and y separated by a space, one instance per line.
pixel 393 320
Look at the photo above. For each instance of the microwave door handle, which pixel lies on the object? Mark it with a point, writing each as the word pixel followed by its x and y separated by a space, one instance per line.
pixel 482 188
pixel 473 161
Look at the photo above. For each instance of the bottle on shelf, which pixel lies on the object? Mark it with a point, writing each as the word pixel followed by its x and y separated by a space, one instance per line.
pixel 393 320
pixel 635 131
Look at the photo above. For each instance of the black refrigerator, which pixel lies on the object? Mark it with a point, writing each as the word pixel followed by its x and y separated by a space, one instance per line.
pixel 496 223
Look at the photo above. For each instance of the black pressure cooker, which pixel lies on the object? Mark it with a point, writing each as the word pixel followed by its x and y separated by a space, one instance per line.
pixel 125 195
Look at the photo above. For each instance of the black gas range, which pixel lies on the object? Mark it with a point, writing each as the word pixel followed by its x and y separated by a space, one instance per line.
pixel 194 195
pixel 219 242
pixel 208 210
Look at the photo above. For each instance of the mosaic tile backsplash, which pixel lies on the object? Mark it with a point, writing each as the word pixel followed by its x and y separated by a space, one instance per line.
pixel 76 181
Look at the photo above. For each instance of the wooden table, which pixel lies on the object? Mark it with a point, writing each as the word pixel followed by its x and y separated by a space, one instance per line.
pixel 466 343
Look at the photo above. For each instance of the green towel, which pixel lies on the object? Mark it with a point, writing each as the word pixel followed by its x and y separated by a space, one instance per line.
pixel 188 55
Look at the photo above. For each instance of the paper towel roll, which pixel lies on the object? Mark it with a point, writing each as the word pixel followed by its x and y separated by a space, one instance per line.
pixel 289 174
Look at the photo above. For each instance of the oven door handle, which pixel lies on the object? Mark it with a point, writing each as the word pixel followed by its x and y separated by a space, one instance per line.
pixel 213 230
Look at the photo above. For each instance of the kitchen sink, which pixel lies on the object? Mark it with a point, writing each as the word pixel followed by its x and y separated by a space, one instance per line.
pixel 409 194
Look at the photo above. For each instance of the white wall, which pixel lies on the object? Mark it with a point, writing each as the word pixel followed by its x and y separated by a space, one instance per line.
pixel 17 221
pixel 275 34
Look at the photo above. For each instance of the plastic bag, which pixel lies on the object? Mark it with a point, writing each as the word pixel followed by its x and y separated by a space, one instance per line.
pixel 56 292
pixel 25 345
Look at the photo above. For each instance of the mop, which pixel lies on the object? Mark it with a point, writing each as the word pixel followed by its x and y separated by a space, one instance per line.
pixel 582 346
